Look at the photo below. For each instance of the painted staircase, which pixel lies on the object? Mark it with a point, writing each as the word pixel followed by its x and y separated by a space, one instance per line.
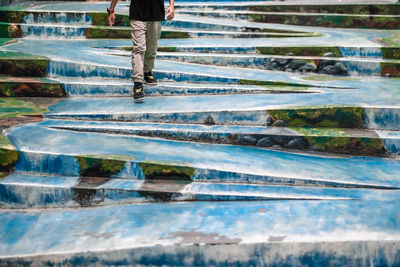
pixel 262 144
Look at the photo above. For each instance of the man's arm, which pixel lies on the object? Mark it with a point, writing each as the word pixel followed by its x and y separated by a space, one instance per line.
pixel 171 10
pixel 111 15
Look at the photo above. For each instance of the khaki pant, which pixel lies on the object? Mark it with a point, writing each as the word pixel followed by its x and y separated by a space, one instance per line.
pixel 145 35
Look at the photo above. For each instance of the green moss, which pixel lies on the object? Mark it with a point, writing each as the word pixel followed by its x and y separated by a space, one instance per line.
pixel 373 9
pixel 18 64
pixel 393 39
pixel 174 35
pixel 101 165
pixel 329 117
pixel 329 20
pixel 12 107
pixel 269 83
pixel 4 41
pixel 349 145
pixel 5 143
pixel 390 52
pixel 299 51
pixel 8 154
pixel 103 32
pixel 100 19
pixel 165 171
pixel 329 78
pixel 167 49
pixel 32 87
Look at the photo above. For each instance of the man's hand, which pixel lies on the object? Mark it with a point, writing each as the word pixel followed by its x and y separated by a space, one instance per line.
pixel 170 12
pixel 111 19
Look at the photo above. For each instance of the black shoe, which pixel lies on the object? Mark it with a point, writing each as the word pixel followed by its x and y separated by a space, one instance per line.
pixel 149 78
pixel 138 94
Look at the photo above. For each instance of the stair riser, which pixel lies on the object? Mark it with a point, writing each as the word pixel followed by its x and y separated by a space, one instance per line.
pixel 352 67
pixel 68 165
pixel 341 145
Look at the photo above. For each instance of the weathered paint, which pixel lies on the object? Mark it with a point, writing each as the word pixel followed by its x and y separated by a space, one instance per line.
pixel 101 165
pixel 163 171
pixel 8 154
pixel 331 117
pixel 30 87
pixel 20 64
pixel 13 107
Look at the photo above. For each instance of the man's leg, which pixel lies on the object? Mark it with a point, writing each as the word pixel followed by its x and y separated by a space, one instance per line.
pixel 138 33
pixel 152 36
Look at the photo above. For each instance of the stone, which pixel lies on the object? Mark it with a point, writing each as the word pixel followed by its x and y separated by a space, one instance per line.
pixel 331 70
pixel 278 139
pixel 274 65
pixel 246 140
pixel 291 54
pixel 296 63
pixel 329 54
pixel 341 69
pixel 309 67
pixel 280 123
pixel 270 121
pixel 297 143
pixel 324 63
pixel 209 120
pixel 337 69
pixel 281 61
pixel 266 142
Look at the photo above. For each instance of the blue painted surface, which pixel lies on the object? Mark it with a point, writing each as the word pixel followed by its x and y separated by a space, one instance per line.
pixel 164 225
pixel 213 162
pixel 355 224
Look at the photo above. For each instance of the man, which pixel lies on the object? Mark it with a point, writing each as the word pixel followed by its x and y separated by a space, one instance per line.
pixel 145 22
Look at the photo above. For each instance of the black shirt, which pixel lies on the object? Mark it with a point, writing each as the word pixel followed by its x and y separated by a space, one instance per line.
pixel 147 10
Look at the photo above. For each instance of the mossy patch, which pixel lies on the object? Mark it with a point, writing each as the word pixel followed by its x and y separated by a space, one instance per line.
pixel 336 140
pixel 349 145
pixel 33 87
pixel 23 65
pixel 174 35
pixel 101 165
pixel 329 78
pixel 9 30
pixel 269 83
pixel 390 52
pixel 165 171
pixel 12 107
pixel 100 19
pixel 104 32
pixel 168 49
pixel 329 117
pixel 340 21
pixel 8 154
pixel 393 39
pixel 5 41
pixel 370 9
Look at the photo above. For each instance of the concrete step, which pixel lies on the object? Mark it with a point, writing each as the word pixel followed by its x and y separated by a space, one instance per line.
pixel 328 7
pixel 204 234
pixel 81 87
pixel 342 141
pixel 338 66
pixel 35 191
pixel 305 19
pixel 71 153
pixel 22 65
pixel 45 31
pixel 249 109
pixel 30 87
